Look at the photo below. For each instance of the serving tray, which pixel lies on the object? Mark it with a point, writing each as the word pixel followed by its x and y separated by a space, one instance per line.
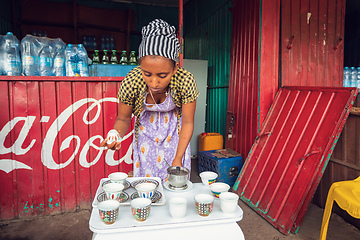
pixel 130 191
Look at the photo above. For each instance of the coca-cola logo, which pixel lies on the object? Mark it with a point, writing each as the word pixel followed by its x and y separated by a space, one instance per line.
pixel 80 146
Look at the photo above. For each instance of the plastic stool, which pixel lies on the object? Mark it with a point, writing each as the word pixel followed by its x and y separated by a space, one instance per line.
pixel 347 196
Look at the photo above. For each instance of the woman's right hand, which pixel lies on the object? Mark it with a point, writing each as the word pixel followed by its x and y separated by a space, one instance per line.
pixel 113 146
pixel 114 143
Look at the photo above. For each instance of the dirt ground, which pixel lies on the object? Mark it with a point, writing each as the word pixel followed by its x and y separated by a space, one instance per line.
pixel 76 226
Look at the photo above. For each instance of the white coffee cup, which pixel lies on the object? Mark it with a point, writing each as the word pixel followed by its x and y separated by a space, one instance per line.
pixel 228 202
pixel 113 136
pixel 177 207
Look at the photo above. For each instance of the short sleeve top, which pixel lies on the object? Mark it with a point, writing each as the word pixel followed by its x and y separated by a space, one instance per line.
pixel 133 88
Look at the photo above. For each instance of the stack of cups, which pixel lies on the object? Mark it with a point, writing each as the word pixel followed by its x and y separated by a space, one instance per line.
pixel 109 209
pixel 141 206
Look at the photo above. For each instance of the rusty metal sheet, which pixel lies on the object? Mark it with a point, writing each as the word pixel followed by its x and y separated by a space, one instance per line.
pixel 291 151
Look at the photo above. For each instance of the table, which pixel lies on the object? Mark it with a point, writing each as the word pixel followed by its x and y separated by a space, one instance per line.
pixel 160 225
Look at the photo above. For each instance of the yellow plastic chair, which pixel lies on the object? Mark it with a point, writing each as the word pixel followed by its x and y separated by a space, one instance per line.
pixel 347 196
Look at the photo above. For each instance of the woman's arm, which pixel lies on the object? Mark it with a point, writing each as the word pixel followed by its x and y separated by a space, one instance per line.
pixel 122 124
pixel 186 131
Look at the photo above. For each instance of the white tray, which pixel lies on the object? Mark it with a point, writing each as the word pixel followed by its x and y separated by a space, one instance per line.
pixel 131 190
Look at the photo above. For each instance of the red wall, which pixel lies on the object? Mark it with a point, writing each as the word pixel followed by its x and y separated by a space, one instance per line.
pixel 312 48
pixel 253 79
pixel 301 45
pixel 51 128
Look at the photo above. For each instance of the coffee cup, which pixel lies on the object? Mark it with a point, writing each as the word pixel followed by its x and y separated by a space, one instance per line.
pixel 113 190
pixel 204 204
pixel 228 202
pixel 118 177
pixel 113 136
pixel 177 207
pixel 146 190
pixel 108 211
pixel 140 208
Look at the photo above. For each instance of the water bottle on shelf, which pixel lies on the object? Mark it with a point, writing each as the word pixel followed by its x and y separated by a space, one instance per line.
pixel 2 72
pixel 45 59
pixel 113 59
pixel 107 42
pixel 94 43
pixel 82 64
pixel 346 78
pixel 59 58
pixel 102 43
pixel 358 77
pixel 112 42
pixel 11 54
pixel 29 56
pixel 70 60
pixel 123 59
pixel 105 59
pixel 352 77
pixel 132 59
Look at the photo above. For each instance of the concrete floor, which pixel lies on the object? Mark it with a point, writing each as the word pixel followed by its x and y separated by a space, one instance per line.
pixel 76 226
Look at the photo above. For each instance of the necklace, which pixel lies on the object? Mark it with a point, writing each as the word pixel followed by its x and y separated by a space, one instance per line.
pixel 153 98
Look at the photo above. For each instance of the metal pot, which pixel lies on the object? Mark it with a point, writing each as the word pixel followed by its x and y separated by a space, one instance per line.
pixel 178 176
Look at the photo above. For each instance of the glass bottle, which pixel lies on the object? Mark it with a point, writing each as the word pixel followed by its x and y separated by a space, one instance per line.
pixel 105 59
pixel 132 60
pixel 113 59
pixel 96 57
pixel 123 59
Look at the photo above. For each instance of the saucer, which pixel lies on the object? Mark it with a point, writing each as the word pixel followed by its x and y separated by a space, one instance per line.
pixel 156 197
pixel 126 185
pixel 187 187
pixel 123 197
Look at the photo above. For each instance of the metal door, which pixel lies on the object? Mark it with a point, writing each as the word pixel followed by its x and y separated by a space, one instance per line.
pixel 291 151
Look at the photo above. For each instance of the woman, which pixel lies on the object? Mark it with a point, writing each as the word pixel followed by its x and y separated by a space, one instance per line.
pixel 162 96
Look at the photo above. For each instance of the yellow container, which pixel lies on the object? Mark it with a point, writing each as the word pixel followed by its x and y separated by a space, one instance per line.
pixel 210 141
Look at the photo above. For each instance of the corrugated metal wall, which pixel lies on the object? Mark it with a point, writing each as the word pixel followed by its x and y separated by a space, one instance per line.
pixel 312 54
pixel 344 164
pixel 244 76
pixel 312 49
pixel 210 40
pixel 50 132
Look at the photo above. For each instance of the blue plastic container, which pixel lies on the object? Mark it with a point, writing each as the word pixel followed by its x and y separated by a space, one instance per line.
pixel 228 169
pixel 109 70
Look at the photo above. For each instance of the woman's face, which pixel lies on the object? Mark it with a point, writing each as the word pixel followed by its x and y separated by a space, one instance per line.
pixel 157 72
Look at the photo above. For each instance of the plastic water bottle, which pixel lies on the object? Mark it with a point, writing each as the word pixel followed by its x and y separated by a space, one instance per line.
pixel 346 78
pixel 353 77
pixel 70 60
pixel 59 58
pixel 358 77
pixel 2 70
pixel 45 59
pixel 11 53
pixel 82 64
pixel 29 56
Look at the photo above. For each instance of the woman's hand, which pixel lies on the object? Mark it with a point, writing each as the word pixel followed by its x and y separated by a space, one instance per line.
pixel 176 163
pixel 112 140
pixel 113 146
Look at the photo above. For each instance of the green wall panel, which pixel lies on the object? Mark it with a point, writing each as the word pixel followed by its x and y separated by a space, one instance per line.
pixel 210 40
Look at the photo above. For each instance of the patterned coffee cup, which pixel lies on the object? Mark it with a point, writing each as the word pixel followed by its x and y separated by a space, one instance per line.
pixel 109 211
pixel 204 204
pixel 140 208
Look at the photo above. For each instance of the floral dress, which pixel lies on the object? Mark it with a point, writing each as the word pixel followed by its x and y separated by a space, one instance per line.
pixel 158 140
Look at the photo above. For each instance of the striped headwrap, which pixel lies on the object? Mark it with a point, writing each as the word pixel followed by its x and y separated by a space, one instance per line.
pixel 159 38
